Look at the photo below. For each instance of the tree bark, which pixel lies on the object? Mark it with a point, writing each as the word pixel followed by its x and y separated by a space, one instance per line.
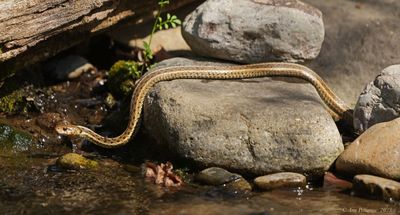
pixel 32 30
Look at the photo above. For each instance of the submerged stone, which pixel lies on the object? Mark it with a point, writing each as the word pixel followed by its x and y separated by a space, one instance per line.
pixel 14 140
pixel 75 161
pixel 216 176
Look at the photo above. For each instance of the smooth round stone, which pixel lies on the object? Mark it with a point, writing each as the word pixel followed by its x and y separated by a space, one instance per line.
pixel 377 187
pixel 76 162
pixel 216 176
pixel 280 180
pixel 375 152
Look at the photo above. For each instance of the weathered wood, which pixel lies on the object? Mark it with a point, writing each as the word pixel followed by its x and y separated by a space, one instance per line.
pixel 32 30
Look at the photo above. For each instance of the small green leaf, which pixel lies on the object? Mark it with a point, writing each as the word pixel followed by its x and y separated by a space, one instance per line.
pixel 163 3
pixel 173 24
pixel 168 16
pixel 177 21
pixel 166 26
pixel 147 50
pixel 174 17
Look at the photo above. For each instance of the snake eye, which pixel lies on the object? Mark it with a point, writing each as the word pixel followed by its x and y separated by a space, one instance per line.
pixel 65 129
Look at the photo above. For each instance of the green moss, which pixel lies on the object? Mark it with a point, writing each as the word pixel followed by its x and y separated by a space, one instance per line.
pixel 13 102
pixel 122 76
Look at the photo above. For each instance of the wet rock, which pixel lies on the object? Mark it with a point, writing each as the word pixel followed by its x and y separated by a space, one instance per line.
pixel 376 187
pixel 376 152
pixel 69 67
pixel 380 100
pixel 255 126
pixel 240 184
pixel 75 161
pixel 330 180
pixel 255 31
pixel 48 120
pixel 280 180
pixel 14 140
pixel 216 176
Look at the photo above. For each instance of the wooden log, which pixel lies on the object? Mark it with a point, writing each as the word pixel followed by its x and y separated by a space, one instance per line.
pixel 32 30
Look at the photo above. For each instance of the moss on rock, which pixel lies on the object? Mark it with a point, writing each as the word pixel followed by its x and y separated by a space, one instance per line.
pixel 14 140
pixel 76 162
pixel 13 102
pixel 122 76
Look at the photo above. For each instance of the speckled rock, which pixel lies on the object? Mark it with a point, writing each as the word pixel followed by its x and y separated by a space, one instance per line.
pixel 255 126
pixel 376 151
pixel 76 162
pixel 13 140
pixel 380 100
pixel 250 31
pixel 280 180
pixel 376 187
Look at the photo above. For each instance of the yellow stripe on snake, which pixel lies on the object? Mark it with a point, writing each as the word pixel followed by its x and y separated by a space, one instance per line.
pixel 336 107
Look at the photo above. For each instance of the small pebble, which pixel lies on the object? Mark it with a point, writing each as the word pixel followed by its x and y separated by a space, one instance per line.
pixel 280 180
pixel 216 176
pixel 240 184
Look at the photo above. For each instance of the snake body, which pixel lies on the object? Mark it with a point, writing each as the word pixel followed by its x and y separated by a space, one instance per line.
pixel 336 106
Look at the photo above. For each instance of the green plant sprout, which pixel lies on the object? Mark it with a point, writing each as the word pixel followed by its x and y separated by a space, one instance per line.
pixel 123 73
pixel 159 24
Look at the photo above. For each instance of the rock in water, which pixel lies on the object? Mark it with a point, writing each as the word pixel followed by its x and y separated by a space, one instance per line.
pixel 255 126
pixel 251 31
pixel 216 176
pixel 376 187
pixel 376 152
pixel 280 180
pixel 76 162
pixel 380 100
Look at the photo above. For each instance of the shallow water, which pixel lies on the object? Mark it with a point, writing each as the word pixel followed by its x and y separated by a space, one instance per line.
pixel 31 183
pixel 34 185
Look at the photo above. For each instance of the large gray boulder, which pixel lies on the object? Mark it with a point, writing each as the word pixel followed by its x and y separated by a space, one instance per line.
pixel 253 126
pixel 250 31
pixel 380 100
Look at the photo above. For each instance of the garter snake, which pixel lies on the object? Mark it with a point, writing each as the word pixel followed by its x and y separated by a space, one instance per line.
pixel 336 106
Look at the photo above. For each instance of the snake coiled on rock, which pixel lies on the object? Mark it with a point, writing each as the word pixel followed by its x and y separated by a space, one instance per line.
pixel 337 108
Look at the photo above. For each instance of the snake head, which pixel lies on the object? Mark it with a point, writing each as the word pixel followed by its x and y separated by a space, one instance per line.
pixel 68 130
